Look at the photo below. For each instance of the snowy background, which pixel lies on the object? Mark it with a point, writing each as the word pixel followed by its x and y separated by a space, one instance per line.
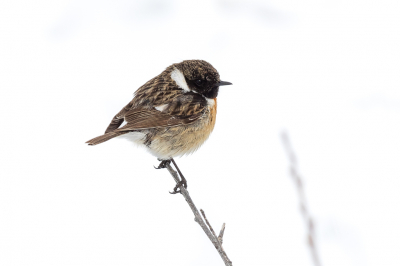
pixel 325 71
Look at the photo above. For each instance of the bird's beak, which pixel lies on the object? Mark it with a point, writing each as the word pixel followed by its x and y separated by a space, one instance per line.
pixel 223 83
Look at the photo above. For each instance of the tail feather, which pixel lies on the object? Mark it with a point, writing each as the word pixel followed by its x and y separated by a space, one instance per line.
pixel 105 137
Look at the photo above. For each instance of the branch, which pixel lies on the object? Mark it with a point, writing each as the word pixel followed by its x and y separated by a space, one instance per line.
pixel 215 236
pixel 294 173
pixel 221 233
pixel 209 231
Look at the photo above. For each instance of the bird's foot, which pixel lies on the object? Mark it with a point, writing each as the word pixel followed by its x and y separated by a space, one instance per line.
pixel 180 184
pixel 177 188
pixel 163 164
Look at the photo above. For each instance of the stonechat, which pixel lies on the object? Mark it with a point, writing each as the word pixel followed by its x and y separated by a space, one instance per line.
pixel 172 114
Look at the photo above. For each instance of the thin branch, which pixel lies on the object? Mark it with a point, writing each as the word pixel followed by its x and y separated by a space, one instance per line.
pixel 209 225
pixel 217 244
pixel 221 233
pixel 294 173
pixel 212 231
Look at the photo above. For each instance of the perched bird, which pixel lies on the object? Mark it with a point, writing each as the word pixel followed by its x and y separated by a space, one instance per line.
pixel 172 114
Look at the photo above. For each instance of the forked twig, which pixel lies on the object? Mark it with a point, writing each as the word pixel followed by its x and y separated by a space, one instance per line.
pixel 197 217
pixel 294 173
pixel 209 225
pixel 221 233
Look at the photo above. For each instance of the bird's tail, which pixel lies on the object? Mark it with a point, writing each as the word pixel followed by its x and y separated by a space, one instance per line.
pixel 105 137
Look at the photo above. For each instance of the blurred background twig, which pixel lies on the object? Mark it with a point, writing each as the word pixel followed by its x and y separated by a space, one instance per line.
pixel 308 220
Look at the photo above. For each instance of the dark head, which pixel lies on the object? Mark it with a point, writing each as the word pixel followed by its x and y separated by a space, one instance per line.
pixel 201 77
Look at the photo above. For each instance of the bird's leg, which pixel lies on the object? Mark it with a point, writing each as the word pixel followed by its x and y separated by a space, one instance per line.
pixel 180 183
pixel 183 181
pixel 162 164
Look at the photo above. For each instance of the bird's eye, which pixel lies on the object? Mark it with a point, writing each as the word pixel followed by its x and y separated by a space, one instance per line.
pixel 198 82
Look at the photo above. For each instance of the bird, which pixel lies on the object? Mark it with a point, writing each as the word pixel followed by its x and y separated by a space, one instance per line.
pixel 172 114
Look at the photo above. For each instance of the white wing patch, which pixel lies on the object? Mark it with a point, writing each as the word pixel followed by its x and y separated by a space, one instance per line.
pixel 161 107
pixel 179 78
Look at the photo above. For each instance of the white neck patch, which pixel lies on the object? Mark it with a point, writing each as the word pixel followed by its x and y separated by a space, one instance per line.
pixel 210 102
pixel 179 78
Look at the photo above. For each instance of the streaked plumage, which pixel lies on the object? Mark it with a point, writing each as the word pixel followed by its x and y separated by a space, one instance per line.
pixel 172 114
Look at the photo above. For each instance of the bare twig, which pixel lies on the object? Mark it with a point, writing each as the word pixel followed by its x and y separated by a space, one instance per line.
pixel 294 173
pixel 209 232
pixel 221 233
pixel 209 225
pixel 212 231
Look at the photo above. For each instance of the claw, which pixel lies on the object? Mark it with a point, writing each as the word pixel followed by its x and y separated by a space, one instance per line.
pixel 180 184
pixel 176 191
pixel 162 164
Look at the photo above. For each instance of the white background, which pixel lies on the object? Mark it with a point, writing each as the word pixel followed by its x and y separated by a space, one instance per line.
pixel 325 71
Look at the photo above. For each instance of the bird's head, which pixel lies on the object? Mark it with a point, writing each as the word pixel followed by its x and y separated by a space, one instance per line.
pixel 200 77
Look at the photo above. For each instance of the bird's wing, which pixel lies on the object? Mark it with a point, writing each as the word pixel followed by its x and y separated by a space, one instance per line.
pixel 118 119
pixel 153 93
pixel 183 110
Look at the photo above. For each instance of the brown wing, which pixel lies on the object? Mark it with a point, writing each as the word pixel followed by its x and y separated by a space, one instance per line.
pixel 183 110
pixel 156 91
pixel 119 118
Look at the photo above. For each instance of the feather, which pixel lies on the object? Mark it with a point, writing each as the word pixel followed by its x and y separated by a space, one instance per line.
pixel 103 138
